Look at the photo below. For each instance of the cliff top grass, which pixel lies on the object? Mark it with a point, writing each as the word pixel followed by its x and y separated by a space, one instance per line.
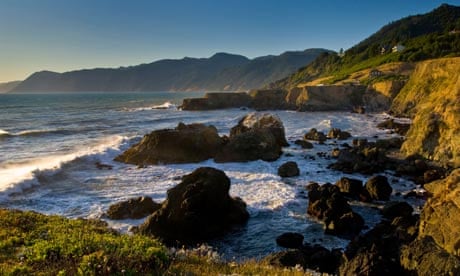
pixel 36 244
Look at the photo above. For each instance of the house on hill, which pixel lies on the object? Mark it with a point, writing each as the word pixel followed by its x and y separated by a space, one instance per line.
pixel 375 73
pixel 398 48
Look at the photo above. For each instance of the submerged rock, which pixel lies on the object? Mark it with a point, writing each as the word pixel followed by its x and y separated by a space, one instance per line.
pixel 184 144
pixel 134 208
pixel 197 209
pixel 288 169
pixel 304 144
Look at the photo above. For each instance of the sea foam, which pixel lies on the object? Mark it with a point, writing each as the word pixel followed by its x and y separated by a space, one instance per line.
pixel 14 178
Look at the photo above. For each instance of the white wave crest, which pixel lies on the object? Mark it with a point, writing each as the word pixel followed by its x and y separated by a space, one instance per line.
pixel 14 178
pixel 165 105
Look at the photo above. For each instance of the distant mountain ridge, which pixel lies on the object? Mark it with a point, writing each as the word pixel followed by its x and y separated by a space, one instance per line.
pixel 8 86
pixel 220 72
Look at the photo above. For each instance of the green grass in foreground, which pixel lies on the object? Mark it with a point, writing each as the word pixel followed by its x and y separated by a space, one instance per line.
pixel 36 244
pixel 31 243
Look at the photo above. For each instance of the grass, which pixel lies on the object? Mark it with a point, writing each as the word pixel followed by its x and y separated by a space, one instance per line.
pixel 36 244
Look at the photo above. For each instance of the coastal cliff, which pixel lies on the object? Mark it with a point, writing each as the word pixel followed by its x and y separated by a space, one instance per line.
pixel 432 98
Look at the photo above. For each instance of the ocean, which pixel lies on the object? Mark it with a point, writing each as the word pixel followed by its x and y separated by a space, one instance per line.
pixel 50 144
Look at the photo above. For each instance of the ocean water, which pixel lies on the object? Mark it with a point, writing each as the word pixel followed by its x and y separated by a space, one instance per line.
pixel 50 143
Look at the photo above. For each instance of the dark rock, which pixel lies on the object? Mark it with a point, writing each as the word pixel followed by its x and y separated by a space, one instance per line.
pixel 304 144
pixel 309 257
pixel 261 121
pixel 315 135
pixel 347 225
pixel 134 208
pixel 197 209
pixel 374 253
pixel 365 157
pixel 395 209
pixel 327 204
pixel 359 109
pixel 269 99
pixel 290 240
pixel 336 133
pixel 257 136
pixel 389 144
pixel 184 144
pixel 288 169
pixel 217 101
pixel 289 258
pixel 424 257
pixel 378 187
pixel 350 187
pixel 250 146
pixel 432 175
pixel 399 128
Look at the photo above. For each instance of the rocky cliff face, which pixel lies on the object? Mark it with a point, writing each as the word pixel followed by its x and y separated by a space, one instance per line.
pixel 432 98
pixel 439 217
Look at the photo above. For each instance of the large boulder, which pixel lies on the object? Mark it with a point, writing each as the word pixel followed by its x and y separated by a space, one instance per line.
pixel 257 136
pixel 378 187
pixel 440 216
pixel 134 208
pixel 400 128
pixel 256 121
pixel 197 209
pixel 327 204
pixel 288 169
pixel 184 144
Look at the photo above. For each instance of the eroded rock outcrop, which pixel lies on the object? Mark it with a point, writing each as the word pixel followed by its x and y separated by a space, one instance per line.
pixel 197 209
pixel 217 101
pixel 257 136
pixel 184 144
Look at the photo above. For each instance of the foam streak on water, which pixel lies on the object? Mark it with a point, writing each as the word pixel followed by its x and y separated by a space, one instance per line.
pixel 56 173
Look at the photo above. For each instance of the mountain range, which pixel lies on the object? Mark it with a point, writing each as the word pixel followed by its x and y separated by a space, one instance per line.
pixel 220 72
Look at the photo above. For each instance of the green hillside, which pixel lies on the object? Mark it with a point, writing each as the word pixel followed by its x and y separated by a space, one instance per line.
pixel 432 35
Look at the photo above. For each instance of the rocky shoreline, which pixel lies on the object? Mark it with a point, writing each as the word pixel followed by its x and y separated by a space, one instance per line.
pixel 398 244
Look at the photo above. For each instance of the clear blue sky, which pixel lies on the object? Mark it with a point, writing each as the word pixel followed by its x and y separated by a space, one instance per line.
pixel 62 35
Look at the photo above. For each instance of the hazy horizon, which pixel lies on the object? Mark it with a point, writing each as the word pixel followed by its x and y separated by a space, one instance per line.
pixel 71 35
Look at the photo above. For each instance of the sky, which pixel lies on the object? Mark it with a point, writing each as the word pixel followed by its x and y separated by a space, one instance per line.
pixel 63 35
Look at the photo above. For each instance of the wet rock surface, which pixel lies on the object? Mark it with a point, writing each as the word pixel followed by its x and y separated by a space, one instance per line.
pixel 288 169
pixel 134 208
pixel 197 209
